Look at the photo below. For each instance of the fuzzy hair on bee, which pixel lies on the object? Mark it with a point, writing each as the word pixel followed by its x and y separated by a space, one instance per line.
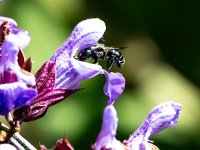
pixel 101 52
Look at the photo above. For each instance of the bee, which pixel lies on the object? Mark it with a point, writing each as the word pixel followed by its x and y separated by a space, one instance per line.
pixel 101 52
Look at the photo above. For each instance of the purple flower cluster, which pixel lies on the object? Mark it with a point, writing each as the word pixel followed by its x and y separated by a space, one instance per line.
pixel 31 95
pixel 56 79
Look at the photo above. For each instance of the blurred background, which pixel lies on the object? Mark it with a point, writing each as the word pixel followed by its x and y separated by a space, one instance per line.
pixel 162 64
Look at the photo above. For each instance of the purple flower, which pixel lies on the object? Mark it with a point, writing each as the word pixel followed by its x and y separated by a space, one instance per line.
pixel 106 139
pixel 70 72
pixel 61 76
pixel 160 118
pixel 14 81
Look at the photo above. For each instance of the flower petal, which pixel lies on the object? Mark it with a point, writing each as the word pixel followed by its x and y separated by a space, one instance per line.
pixel 12 23
pixel 70 72
pixel 21 36
pixel 85 34
pixel 15 95
pixel 163 116
pixel 160 118
pixel 108 130
pixel 114 86
pixel 9 56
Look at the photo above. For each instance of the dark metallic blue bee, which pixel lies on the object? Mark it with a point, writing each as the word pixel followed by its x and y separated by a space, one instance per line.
pixel 100 52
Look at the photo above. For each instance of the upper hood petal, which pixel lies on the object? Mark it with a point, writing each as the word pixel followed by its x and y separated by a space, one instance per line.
pixel 85 34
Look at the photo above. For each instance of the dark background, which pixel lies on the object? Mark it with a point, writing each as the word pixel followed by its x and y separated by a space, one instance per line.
pixel 162 63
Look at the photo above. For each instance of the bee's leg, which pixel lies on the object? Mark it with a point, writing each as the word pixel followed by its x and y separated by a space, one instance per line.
pixel 109 63
pixel 118 64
